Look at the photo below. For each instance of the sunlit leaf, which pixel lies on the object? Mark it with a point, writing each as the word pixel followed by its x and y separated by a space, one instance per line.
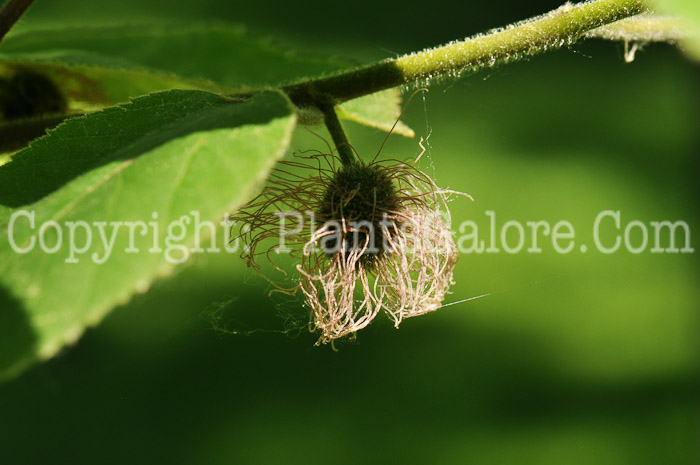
pixel 155 160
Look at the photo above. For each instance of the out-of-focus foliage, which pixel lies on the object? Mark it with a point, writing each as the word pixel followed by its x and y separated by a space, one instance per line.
pixel 690 11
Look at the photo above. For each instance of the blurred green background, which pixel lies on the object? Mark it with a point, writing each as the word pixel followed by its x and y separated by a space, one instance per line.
pixel 581 358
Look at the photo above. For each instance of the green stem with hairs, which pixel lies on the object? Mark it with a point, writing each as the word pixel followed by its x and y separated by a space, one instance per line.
pixel 335 128
pixel 558 28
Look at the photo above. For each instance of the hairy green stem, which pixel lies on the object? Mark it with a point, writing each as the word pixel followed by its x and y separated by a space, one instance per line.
pixel 10 13
pixel 347 155
pixel 558 28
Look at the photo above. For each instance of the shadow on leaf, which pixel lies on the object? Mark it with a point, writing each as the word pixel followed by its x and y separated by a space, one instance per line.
pixel 17 339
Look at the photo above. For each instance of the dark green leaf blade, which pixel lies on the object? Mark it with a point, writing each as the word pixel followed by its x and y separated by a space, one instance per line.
pixel 107 65
pixel 225 53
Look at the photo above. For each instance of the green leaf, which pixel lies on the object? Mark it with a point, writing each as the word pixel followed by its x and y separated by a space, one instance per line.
pixel 220 53
pixel 16 134
pixel 380 110
pixel 155 160
pixel 107 65
pixel 86 86
pixel 90 88
pixel 689 10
